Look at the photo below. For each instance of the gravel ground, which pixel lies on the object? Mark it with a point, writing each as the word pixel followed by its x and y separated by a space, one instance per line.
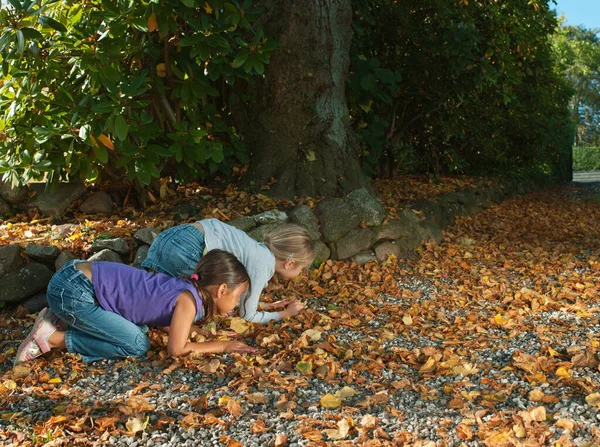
pixel 394 399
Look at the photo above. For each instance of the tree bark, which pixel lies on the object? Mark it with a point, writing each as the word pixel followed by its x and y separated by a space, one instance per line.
pixel 300 133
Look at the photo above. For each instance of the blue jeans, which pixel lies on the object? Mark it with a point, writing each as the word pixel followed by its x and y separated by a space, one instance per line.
pixel 176 251
pixel 92 332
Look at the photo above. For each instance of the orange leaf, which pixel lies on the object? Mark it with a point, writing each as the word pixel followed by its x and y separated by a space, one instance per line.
pixel 105 140
pixel 152 24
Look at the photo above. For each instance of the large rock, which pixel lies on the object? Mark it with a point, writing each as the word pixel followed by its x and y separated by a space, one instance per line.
pixel 106 255
pixel 364 257
pixel 13 195
pixel 385 249
pixel 258 234
pixel 140 255
pixel 35 303
pixel 56 200
pixel 20 284
pixel 99 203
pixel 303 215
pixel 146 235
pixel 322 253
pixel 430 232
pixel 10 258
pixel 61 231
pixel 245 223
pixel 370 210
pixel 64 257
pixel 337 218
pixel 352 243
pixel 44 253
pixel 430 211
pixel 271 217
pixel 405 231
pixel 117 244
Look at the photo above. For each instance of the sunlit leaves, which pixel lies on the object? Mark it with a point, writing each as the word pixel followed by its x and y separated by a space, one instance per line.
pixel 122 81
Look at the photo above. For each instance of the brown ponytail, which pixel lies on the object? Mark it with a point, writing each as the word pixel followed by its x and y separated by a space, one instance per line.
pixel 215 268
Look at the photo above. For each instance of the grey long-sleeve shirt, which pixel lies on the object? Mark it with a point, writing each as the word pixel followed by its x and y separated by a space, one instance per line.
pixel 256 257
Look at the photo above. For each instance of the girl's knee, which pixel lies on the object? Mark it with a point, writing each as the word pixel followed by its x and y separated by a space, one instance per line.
pixel 140 346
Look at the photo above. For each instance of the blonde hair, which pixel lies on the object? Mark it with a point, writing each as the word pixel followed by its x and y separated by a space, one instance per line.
pixel 291 242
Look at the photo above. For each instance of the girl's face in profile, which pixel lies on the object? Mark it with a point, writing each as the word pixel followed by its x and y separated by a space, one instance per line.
pixel 226 299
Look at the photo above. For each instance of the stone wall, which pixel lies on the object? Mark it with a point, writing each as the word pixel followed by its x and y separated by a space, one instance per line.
pixel 349 228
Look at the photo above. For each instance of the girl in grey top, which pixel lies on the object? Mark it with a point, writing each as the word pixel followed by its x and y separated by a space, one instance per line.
pixel 287 250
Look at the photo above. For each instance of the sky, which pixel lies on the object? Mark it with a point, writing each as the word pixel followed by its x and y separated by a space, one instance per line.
pixel 579 12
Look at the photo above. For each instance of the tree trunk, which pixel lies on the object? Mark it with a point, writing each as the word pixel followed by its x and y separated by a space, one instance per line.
pixel 300 133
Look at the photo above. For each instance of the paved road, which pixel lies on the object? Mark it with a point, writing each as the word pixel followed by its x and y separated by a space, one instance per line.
pixel 586 176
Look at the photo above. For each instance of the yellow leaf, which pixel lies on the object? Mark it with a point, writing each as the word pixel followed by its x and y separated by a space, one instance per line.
pixel 312 334
pixel 135 424
pixel 341 432
pixel 519 431
pixel 536 395
pixel 500 320
pixel 593 400
pixel 55 380
pixel 207 8
pixel 538 414
pixel 407 320
pixel 345 393
pixel 563 372
pixel 552 352
pixel 239 325
pixel 330 401
pixel 10 384
pixel 429 366
pixel 223 400
pixel 105 140
pixel 567 424
pixel 94 142
pixel 152 24
pixel 161 70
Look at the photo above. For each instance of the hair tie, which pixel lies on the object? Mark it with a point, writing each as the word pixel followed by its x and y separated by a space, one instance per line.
pixel 194 277
pixel 290 257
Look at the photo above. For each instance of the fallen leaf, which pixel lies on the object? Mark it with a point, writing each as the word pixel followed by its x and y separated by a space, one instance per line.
pixel 593 400
pixel 538 414
pixel 464 432
pixel 21 371
pixel 239 325
pixel 536 395
pixel 280 440
pixel 330 401
pixel 135 425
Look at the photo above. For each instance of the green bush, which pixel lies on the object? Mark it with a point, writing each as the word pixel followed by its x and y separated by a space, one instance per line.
pixel 586 158
pixel 121 88
pixel 458 86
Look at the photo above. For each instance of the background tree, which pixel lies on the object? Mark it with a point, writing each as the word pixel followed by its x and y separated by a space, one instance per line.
pixel 578 54
pixel 300 130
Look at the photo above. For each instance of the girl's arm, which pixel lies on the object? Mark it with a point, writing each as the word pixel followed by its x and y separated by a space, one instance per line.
pixel 181 323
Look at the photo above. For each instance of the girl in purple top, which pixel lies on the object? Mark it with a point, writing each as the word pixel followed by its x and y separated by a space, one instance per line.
pixel 108 306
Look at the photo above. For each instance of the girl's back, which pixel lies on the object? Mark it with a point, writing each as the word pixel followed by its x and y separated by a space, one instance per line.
pixel 141 297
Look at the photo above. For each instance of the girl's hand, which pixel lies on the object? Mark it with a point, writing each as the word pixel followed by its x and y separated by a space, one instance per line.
pixel 292 309
pixel 276 305
pixel 237 346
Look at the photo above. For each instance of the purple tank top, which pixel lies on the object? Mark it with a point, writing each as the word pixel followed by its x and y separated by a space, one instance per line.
pixel 139 296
